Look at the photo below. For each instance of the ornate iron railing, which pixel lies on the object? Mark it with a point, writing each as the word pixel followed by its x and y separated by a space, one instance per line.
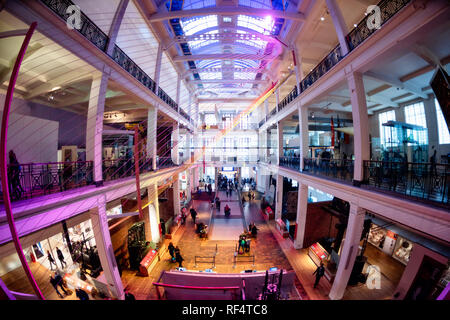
pixel 419 180
pixel 37 179
pixel 341 169
pixel 388 8
pixel 88 28
pixel 288 99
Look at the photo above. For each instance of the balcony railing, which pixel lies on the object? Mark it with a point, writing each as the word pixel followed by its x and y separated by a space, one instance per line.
pixel 355 37
pixel 96 36
pixel 37 179
pixel 419 180
pixel 339 169
pixel 288 99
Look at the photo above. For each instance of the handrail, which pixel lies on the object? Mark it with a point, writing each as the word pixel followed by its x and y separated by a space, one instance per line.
pixel 193 287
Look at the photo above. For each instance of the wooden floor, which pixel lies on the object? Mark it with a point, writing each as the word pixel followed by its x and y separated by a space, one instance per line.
pixel 270 250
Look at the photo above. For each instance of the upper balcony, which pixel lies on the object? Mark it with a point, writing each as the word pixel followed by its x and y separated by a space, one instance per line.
pixel 92 33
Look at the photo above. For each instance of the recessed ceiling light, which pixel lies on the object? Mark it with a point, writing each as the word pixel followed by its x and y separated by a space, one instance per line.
pixel 322 18
pixel 355 25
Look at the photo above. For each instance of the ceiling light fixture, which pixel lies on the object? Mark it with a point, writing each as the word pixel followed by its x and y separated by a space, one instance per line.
pixel 322 18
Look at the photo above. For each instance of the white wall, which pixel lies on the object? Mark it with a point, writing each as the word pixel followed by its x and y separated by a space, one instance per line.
pixel 33 139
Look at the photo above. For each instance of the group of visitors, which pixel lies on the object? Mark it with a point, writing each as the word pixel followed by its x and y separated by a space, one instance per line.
pixel 52 261
pixel 244 243
pixel 175 254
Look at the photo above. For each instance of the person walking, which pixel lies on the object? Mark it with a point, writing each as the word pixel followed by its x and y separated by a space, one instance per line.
pixel 51 260
pixel 171 249
pixel 178 257
pixel 55 285
pixel 59 282
pixel 61 257
pixel 320 271
pixel 14 176
pixel 193 214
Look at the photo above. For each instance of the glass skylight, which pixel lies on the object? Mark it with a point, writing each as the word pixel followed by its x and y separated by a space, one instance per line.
pixel 198 4
pixel 197 24
pixel 261 25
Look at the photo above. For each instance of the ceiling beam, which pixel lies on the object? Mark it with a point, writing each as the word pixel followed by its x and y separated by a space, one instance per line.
pixel 226 100
pixel 396 83
pixel 231 81
pixel 223 56
pixel 228 11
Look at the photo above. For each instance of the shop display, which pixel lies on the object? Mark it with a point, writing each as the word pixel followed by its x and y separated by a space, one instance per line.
pixel 403 250
pixel 138 247
pixel 317 253
pixel 377 236
pixel 389 242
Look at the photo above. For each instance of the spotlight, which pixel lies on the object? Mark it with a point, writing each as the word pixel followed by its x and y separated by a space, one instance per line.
pixel 322 18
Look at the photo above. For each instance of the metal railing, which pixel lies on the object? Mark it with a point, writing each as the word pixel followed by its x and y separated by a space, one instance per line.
pixel 212 259
pixel 418 180
pixel 236 256
pixel 288 99
pixel 290 162
pixel 333 168
pixel 388 8
pixel 35 179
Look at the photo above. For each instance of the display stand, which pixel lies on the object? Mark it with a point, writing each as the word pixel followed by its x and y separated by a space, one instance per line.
pixel 268 214
pixel 281 227
pixel 148 263
pixel 318 254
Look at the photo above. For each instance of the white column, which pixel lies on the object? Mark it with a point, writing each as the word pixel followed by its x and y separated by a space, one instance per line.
pixel 277 98
pixel 297 66
pixel 158 67
pixel 115 26
pixel 339 24
pixel 302 208
pixel 266 108
pixel 303 133
pixel 176 195
pixel 152 132
pixel 279 197
pixel 152 225
pixel 280 142
pixel 349 251
pixel 105 249
pixel 175 143
pixel 360 123
pixel 94 127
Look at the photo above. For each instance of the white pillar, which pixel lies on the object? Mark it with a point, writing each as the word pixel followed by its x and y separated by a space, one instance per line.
pixel 152 229
pixel 175 143
pixel 303 132
pixel 94 127
pixel 279 197
pixel 360 123
pixel 105 249
pixel 115 26
pixel 280 152
pixel 277 98
pixel 266 108
pixel 302 208
pixel 158 66
pixel 152 132
pixel 339 24
pixel 349 251
pixel 176 195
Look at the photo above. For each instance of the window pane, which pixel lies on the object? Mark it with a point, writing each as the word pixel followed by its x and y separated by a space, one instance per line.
pixel 415 114
pixel 444 135
pixel 386 134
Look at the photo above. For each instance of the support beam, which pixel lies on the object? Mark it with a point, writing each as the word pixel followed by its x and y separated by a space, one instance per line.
pixel 226 10
pixel 94 127
pixel 360 123
pixel 302 208
pixel 152 127
pixel 349 251
pixel 230 81
pixel 106 250
pixel 339 24
pixel 279 197
pixel 115 26
pixel 303 132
